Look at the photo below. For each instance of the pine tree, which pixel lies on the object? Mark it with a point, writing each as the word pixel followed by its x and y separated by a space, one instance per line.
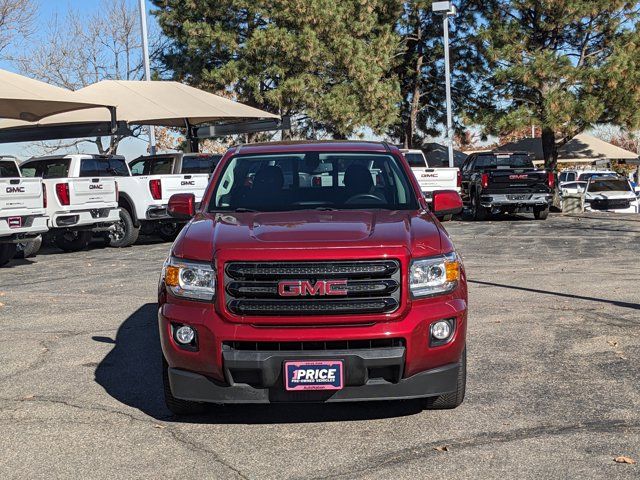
pixel 327 63
pixel 562 65
pixel 420 70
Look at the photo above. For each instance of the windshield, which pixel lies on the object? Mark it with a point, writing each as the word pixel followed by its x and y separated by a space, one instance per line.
pixel 499 161
pixel 199 163
pixel 586 176
pixel 320 180
pixel 50 168
pixel 8 169
pixel 609 185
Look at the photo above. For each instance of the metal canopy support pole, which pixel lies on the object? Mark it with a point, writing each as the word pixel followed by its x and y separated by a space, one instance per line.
pixel 447 74
pixel 193 143
pixel 447 9
pixel 147 68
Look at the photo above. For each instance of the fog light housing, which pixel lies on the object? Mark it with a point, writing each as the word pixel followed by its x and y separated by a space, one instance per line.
pixel 441 332
pixel 185 336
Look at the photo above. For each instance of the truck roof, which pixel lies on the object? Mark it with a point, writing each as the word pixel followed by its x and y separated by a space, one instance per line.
pixel 312 145
pixel 73 155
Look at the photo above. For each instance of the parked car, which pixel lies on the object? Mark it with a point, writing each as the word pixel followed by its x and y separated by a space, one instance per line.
pixel 610 194
pixel 505 182
pixel 333 293
pixel 22 211
pixel 162 176
pixel 80 199
pixel 430 178
pixel 567 176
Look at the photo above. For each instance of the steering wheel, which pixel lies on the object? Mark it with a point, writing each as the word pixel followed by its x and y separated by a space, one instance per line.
pixel 364 198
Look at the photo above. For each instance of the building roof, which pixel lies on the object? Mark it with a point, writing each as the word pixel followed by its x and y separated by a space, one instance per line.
pixel 581 148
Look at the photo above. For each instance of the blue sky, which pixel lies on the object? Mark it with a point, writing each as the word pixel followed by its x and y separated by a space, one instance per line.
pixel 130 148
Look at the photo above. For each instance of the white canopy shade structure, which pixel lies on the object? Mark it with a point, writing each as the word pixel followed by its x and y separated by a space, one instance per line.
pixel 27 100
pixel 582 148
pixel 160 103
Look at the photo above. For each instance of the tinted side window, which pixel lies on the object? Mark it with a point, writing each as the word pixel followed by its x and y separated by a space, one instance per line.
pixel 160 166
pixel 8 169
pixel 137 167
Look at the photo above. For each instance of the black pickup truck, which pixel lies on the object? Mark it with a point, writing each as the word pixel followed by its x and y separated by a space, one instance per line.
pixel 505 182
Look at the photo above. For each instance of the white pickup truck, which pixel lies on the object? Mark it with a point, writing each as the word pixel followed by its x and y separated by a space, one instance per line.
pixel 432 179
pixel 22 211
pixel 80 200
pixel 161 176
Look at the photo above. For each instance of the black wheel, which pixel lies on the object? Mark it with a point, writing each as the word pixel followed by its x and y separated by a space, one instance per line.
pixel 30 249
pixel 7 252
pixel 478 212
pixel 177 406
pixel 169 231
pixel 453 399
pixel 73 241
pixel 540 213
pixel 125 233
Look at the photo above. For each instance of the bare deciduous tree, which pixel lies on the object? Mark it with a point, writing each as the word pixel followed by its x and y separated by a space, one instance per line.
pixel 16 21
pixel 83 49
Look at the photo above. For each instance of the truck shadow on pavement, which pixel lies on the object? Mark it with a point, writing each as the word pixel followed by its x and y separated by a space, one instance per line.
pixel 131 373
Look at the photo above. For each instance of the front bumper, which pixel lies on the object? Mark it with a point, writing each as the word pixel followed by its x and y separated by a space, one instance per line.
pixel 218 372
pixel 525 200
pixel 192 386
pixel 90 219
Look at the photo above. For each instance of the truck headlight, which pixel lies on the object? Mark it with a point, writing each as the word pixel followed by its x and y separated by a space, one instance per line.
pixel 189 279
pixel 434 275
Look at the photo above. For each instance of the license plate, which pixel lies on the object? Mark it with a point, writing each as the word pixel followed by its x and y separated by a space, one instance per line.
pixel 518 197
pixel 314 375
pixel 14 222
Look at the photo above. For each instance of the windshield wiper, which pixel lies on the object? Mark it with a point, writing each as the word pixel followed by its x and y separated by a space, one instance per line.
pixel 245 210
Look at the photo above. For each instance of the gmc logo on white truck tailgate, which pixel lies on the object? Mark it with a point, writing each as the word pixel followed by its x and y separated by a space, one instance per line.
pixel 95 187
pixel 301 288
pixel 15 190
pixel 187 182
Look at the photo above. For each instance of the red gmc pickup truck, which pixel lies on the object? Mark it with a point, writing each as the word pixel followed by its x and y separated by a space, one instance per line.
pixel 313 272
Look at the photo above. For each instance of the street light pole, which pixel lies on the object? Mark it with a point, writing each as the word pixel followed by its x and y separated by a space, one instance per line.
pixel 147 68
pixel 447 9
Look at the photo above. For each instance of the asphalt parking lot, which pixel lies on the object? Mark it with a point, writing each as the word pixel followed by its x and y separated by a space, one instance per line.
pixel 553 386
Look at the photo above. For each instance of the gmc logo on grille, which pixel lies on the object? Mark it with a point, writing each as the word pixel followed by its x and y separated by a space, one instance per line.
pixel 15 189
pixel 96 187
pixel 302 288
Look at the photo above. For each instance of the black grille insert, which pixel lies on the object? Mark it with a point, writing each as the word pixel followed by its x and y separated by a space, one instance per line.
pixel 314 346
pixel 372 287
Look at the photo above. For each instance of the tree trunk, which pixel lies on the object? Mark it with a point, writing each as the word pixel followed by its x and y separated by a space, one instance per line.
pixel 549 149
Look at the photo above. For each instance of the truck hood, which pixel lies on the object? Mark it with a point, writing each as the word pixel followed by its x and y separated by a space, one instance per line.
pixel 373 229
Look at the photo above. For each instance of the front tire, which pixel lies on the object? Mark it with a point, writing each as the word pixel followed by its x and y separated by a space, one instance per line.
pixel 73 241
pixel 453 399
pixel 125 233
pixel 168 231
pixel 540 213
pixel 7 252
pixel 176 405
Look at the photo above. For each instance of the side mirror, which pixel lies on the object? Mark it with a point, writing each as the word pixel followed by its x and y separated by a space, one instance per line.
pixel 446 202
pixel 182 206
